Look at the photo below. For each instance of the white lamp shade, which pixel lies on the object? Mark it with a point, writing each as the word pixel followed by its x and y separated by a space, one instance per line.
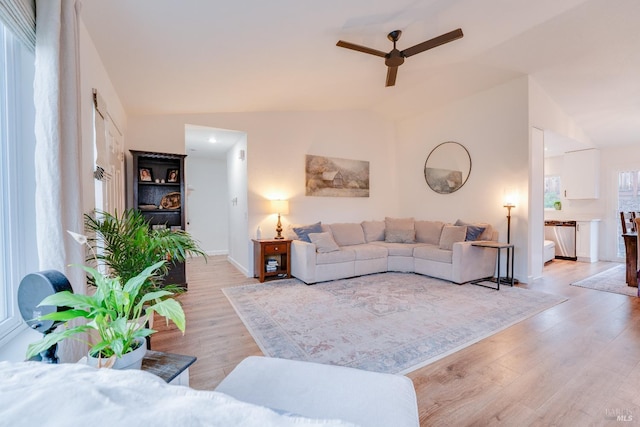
pixel 510 198
pixel 280 207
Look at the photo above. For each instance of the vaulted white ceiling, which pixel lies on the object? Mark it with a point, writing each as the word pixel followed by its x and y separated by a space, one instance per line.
pixel 186 56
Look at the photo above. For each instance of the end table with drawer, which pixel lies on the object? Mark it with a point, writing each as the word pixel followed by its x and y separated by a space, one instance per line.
pixel 271 259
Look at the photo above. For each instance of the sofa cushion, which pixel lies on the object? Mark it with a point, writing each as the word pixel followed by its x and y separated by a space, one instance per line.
pixel 429 231
pixel 399 230
pixel 473 230
pixel 368 251
pixel 433 253
pixel 324 242
pixel 346 234
pixel 303 231
pixel 343 255
pixel 452 234
pixel 373 231
pixel 398 249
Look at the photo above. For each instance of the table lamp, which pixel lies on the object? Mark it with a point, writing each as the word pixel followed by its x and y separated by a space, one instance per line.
pixel 280 207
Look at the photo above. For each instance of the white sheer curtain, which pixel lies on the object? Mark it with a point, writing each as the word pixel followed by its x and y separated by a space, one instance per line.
pixel 19 16
pixel 58 146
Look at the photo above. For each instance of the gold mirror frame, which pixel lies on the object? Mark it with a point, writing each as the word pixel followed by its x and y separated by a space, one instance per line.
pixel 447 167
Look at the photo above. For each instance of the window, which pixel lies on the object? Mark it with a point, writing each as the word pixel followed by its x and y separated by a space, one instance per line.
pixel 18 250
pixel 628 201
pixel 551 191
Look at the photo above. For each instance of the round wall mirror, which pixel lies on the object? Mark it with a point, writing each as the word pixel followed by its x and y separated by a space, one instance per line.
pixel 447 167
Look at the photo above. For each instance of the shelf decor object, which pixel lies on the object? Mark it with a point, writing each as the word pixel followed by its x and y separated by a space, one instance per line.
pixel 280 207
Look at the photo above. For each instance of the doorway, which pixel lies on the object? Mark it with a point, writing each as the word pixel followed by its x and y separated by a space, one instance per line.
pixel 216 190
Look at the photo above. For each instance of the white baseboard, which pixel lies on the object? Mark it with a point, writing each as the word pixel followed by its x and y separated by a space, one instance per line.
pixel 218 252
pixel 239 267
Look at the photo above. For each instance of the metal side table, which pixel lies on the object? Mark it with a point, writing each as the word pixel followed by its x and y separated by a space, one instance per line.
pixel 499 247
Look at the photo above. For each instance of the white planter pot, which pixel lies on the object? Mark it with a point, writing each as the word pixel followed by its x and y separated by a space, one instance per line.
pixel 131 360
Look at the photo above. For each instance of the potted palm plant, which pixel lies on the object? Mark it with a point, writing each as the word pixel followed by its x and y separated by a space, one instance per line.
pixel 125 242
pixel 116 315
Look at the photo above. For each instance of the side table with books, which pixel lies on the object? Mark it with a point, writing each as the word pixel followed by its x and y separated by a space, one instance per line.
pixel 271 259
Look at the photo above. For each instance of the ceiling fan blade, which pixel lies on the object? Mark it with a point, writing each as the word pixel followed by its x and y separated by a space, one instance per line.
pixel 359 48
pixel 392 72
pixel 434 42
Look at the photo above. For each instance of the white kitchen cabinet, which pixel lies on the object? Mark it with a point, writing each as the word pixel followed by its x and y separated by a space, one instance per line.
pixel 587 240
pixel 581 174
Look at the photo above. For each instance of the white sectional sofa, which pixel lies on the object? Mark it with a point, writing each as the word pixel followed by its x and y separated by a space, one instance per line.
pixel 321 252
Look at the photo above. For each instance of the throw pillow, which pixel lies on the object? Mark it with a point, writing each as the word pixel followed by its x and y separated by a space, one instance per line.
pixel 373 231
pixel 452 234
pixel 399 230
pixel 473 231
pixel 303 231
pixel 324 242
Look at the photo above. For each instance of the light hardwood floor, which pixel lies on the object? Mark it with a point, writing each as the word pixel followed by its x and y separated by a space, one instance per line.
pixel 576 364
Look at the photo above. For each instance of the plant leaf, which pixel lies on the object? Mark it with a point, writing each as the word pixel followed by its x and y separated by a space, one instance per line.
pixel 66 315
pixel 68 299
pixel 172 310
pixel 53 338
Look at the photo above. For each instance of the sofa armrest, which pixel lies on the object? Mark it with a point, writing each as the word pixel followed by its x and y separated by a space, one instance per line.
pixel 303 261
pixel 472 262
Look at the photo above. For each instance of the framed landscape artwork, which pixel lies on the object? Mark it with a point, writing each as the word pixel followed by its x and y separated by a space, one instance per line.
pixel 333 177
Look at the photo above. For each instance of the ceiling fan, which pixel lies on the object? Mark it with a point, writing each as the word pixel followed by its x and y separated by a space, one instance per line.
pixel 395 58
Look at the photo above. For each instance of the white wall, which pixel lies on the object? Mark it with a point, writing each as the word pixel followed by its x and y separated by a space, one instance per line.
pixel 240 249
pixel 493 126
pixel 93 75
pixel 277 143
pixel 207 200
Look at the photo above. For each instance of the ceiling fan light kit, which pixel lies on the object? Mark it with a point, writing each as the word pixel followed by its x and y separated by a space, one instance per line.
pixel 396 57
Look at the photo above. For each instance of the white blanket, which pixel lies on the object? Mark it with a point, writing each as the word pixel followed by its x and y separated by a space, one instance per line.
pixel 33 393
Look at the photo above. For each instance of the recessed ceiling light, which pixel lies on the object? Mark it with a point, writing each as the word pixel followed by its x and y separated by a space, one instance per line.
pixel 212 140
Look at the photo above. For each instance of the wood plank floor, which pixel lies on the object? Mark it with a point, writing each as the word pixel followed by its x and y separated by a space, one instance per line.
pixel 576 364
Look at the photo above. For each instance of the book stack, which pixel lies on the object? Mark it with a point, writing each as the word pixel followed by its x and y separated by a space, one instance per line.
pixel 271 265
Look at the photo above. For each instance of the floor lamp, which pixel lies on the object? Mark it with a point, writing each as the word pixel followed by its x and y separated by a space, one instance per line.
pixel 509 204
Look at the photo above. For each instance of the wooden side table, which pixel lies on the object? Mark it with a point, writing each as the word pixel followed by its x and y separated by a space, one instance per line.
pixel 173 368
pixel 271 259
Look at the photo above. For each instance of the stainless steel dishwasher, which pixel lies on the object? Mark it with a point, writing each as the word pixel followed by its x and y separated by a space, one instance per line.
pixel 563 233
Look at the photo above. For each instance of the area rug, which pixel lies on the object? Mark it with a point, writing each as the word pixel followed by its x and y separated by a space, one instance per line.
pixel 390 322
pixel 611 280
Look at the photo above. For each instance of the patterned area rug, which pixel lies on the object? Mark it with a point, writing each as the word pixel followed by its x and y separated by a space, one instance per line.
pixel 390 322
pixel 611 280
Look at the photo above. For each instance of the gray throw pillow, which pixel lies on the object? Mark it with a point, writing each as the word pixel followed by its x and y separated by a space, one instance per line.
pixel 452 234
pixel 399 230
pixel 303 231
pixel 324 242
